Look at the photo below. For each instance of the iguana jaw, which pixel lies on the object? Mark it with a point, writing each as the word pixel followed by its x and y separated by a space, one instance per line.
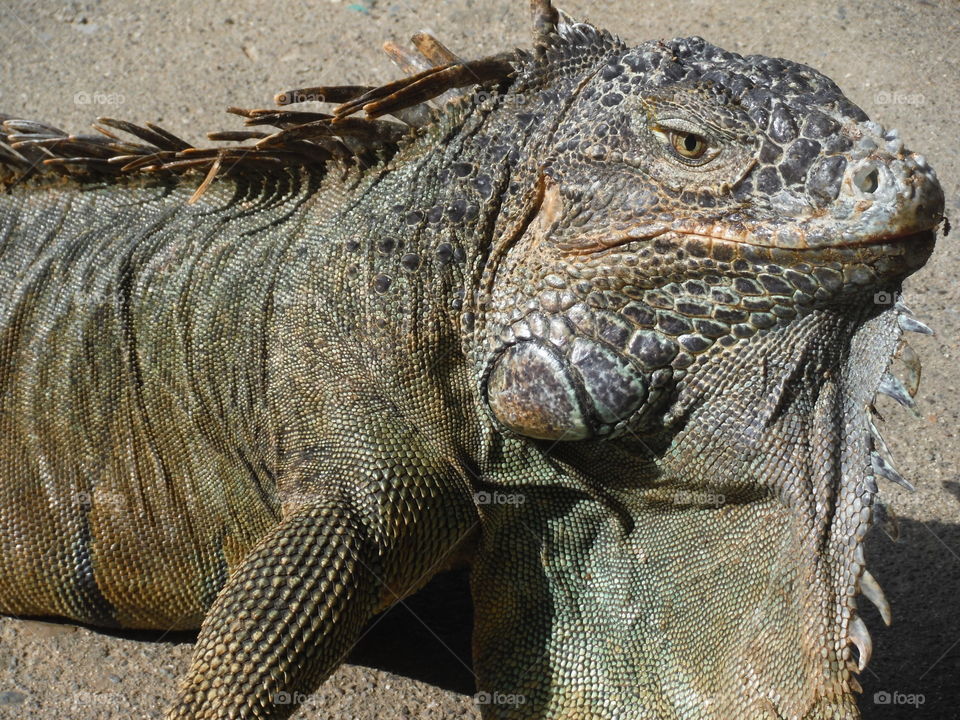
pixel 568 370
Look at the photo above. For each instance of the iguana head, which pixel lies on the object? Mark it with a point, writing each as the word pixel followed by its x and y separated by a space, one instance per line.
pixel 690 199
pixel 703 272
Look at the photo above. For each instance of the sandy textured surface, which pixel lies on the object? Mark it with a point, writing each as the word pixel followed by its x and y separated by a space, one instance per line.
pixel 180 64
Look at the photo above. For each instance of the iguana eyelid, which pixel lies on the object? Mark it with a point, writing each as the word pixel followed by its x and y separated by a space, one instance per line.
pixel 680 125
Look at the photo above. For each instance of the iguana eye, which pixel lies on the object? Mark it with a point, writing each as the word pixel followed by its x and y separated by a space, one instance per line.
pixel 684 143
pixel 687 144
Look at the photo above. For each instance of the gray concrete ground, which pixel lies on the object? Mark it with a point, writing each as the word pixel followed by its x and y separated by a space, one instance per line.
pixel 180 63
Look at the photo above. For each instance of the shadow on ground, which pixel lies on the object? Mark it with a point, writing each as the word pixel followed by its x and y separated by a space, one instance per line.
pixel 426 637
pixel 915 671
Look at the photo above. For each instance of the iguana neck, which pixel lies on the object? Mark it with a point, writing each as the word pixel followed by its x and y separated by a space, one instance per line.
pixel 373 293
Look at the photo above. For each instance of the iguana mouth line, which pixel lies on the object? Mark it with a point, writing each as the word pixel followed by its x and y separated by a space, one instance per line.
pixel 895 239
pixel 892 240
pixel 743 238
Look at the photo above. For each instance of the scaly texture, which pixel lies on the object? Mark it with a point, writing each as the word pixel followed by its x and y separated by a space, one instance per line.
pixel 607 327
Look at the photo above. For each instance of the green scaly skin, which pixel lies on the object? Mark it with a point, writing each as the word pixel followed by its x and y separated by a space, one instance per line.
pixel 630 387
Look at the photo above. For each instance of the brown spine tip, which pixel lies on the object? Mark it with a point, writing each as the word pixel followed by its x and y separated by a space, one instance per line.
pixel 545 17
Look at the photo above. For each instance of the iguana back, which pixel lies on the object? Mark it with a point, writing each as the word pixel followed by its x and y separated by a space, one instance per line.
pixel 131 483
pixel 161 366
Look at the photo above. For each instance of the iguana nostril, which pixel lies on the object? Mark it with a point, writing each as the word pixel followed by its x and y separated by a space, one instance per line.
pixel 867 179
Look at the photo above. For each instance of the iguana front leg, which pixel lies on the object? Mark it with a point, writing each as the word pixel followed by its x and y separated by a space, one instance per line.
pixel 286 617
pixel 294 607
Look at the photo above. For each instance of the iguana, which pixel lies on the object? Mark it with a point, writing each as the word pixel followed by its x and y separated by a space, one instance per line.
pixel 607 328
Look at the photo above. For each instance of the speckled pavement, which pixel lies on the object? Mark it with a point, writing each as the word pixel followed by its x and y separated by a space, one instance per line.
pixel 180 64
